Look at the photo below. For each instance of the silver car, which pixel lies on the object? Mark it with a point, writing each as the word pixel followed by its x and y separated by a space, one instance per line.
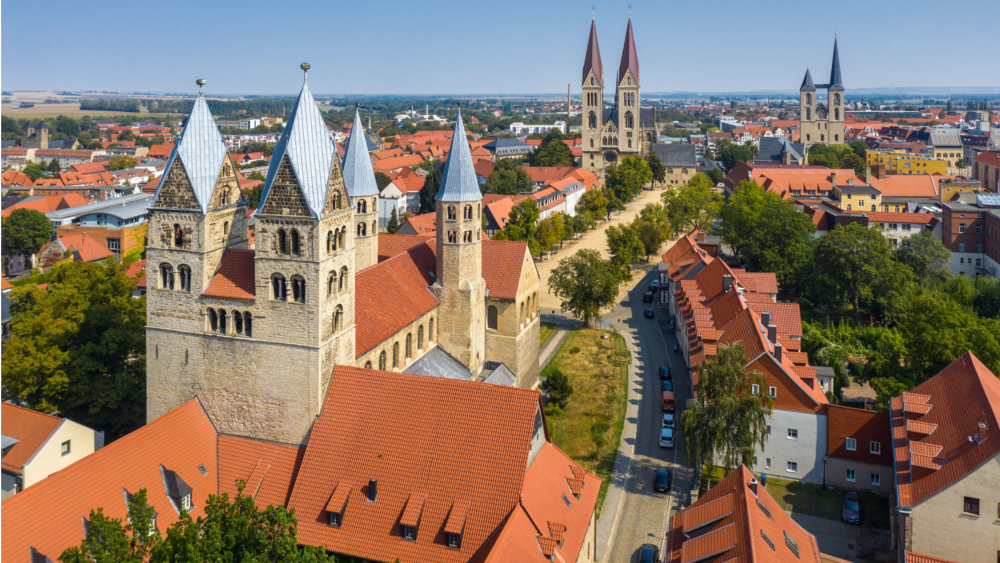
pixel 668 420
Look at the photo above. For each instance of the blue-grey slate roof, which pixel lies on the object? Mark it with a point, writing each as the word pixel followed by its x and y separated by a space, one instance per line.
pixel 358 173
pixel 309 148
pixel 438 363
pixel 807 83
pixel 676 154
pixel 771 149
pixel 7 143
pixel 501 376
pixel 201 150
pixel 458 183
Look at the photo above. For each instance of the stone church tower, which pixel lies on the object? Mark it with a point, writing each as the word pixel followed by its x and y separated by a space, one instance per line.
pixel 822 124
pixel 459 283
pixel 254 334
pixel 361 187
pixel 592 116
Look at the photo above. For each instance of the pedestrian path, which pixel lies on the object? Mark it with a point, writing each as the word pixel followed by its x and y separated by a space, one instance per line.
pixel 551 347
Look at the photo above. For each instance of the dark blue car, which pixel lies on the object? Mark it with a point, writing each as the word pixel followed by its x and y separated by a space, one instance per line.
pixel 668 385
pixel 648 314
pixel 665 373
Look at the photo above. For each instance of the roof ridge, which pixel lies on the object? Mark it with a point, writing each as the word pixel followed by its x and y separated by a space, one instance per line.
pixel 33 410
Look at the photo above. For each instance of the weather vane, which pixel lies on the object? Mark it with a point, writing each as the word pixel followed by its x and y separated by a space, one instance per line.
pixel 592 11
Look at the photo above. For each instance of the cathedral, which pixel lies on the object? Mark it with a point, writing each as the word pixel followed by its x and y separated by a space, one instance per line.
pixel 256 333
pixel 625 128
pixel 821 124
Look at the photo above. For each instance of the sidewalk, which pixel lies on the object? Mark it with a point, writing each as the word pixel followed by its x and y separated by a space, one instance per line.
pixel 546 354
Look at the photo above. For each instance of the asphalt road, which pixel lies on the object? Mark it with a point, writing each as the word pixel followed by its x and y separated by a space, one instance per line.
pixel 644 513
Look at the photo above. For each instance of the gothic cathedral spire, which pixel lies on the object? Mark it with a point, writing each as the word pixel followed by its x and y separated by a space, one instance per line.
pixel 630 59
pixel 592 60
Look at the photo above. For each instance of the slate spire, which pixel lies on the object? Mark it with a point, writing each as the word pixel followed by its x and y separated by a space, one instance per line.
pixel 807 83
pixel 458 183
pixel 836 82
pixel 593 58
pixel 630 60
pixel 358 173
pixel 309 148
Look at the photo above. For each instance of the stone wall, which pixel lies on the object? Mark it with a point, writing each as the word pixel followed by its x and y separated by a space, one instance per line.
pixel 430 341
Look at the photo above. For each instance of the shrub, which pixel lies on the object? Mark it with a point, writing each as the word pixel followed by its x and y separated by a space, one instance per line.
pixel 558 387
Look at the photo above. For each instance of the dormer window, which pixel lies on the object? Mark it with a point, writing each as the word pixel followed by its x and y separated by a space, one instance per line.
pixel 410 533
pixel 335 519
pixel 455 541
pixel 186 502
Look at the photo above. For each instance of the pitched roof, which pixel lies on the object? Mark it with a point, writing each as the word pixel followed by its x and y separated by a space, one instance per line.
pixel 502 263
pixel 907 185
pixel 358 174
pixel 963 400
pixel 15 178
pixel 201 150
pixel 458 182
pixel 592 60
pixel 310 150
pixel 268 468
pixel 48 516
pixel 836 81
pixel 864 426
pixel 393 245
pixel 453 454
pixel 732 523
pixel 676 154
pixel 234 278
pixel 918 558
pixel 30 428
pixel 807 83
pixel 387 165
pixel 89 249
pixel 423 224
pixel 630 59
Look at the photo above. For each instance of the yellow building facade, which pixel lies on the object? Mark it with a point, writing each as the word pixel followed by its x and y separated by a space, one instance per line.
pixel 902 162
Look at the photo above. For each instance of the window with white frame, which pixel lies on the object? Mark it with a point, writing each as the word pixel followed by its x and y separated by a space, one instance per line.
pixel 754 388
pixel 767 463
pixel 874 448
pixel 793 434
pixel 850 475
pixel 793 467
pixel 852 445
pixel 773 392
pixel 66 447
pixel 876 479
pixel 755 461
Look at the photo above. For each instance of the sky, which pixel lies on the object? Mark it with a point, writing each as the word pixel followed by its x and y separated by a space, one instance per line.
pixel 512 47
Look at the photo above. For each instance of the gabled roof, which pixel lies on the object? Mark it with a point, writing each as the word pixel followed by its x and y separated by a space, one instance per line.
pixel 592 61
pixel 309 148
pixel 423 224
pixel 502 264
pixel 30 428
pixel 453 454
pixel 83 246
pixel 201 150
pixel 234 278
pixel 48 516
pixel 630 59
pixel 963 400
pixel 458 182
pixel 358 174
pixel 864 426
pixel 268 468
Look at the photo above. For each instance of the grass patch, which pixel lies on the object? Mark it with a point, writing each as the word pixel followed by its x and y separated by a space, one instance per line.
pixel 709 479
pixel 545 332
pixel 589 428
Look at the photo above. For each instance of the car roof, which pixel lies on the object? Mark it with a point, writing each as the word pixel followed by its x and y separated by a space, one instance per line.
pixel 666 431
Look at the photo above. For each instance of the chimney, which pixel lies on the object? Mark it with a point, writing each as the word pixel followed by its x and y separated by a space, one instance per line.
pixel 777 351
pixel 772 334
pixel 765 318
pixel 880 171
pixel 727 283
pixel 372 490
pixel 833 178
pixel 753 486
pixel 868 174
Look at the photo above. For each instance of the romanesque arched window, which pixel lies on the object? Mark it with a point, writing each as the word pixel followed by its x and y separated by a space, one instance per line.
pixel 237 322
pixel 299 289
pixel 809 114
pixel 341 237
pixel 591 143
pixel 395 355
pixel 329 241
pixel 331 283
pixel 836 114
pixel 166 276
pixel 592 120
pixel 248 324
pixel 223 317
pixel 279 287
pixel 374 227
pixel 451 213
pixel 336 201
pixel 809 99
pixel 185 275
pixel 362 204
pixel 522 313
pixel 409 345
pixel 338 318
pixel 225 228
pixel 836 99
pixel 430 330
pixel 368 364
pixel 178 236
pixel 343 279
pixel 467 213
pixel 282 242
pixel 374 204
pixel 822 138
pixel 420 337
pixel 381 360
pixel 452 237
pixel 296 250
pixel 491 317
pixel 213 320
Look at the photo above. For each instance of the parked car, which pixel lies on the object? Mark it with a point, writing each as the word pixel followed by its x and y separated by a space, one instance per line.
pixel 666 437
pixel 647 297
pixel 668 385
pixel 668 420
pixel 648 314
pixel 661 483
pixel 649 553
pixel 851 511
pixel 669 403
pixel 665 373
pixel 654 286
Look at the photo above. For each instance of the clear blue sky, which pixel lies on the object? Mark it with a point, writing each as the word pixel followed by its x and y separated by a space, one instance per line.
pixel 461 47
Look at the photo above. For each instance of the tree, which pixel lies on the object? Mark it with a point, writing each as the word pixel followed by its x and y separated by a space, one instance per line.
pixel 108 540
pixel 837 156
pixel 382 180
pixel 626 179
pixel 54 167
pixel 715 175
pixel 79 347
pixel 125 136
pixel 94 146
pixel 551 152
pixel 693 205
pixel 860 148
pixel 960 163
pixel 432 182
pixel 123 163
pixel 626 247
pixel 158 139
pixel 585 284
pixel 727 420
pixel 652 235
pixel 393 225
pixel 558 387
pixel 594 202
pixel 730 154
pixel 34 171
pixel 25 231
pixel 926 256
pixel 770 234
pixel 522 222
pixel 656 168
pixel 655 213
pixel 508 178
pixel 254 194
pixel 937 330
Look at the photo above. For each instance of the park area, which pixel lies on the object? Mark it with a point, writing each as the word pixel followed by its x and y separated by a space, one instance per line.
pixel 588 428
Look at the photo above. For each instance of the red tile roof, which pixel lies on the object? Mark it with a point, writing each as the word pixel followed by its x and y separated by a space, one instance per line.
pixel 393 245
pixel 424 224
pixel 234 277
pixel 89 249
pixel 4 284
pixel 502 264
pixel 269 469
pixel 48 516
pixel 395 163
pixel 864 426
pixel 963 400
pixel 731 522
pixel 15 178
pixel 160 151
pixel 918 558
pixel 449 452
pixel 137 268
pixel 31 428
pixel 90 167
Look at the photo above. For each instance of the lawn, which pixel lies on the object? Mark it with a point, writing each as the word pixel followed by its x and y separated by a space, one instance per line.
pixel 545 333
pixel 589 428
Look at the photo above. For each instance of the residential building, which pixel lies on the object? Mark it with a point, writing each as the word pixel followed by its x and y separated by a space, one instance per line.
pixel 66 158
pixel 780 150
pixel 497 211
pixel 972 145
pixel 969 231
pixel 737 520
pixel 852 196
pixel 902 162
pixel 36 445
pixel 78 247
pixel 424 224
pixel 859 450
pixel 507 148
pixel 986 170
pixel 946 454
pixel 947 145
pixel 16 158
pixel 518 128
pixel 401 197
pixel 822 123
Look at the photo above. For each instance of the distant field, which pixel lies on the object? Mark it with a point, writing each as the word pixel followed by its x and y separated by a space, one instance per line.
pixel 69 110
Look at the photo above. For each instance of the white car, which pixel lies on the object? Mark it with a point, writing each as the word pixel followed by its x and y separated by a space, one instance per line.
pixel 667 438
pixel 668 420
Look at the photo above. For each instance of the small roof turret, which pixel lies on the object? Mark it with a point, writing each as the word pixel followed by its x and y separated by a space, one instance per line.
pixel 807 83
pixel 458 183
pixel 358 173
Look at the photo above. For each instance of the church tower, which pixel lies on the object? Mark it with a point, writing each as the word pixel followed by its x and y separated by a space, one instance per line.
pixel 835 95
pixel 822 124
pixel 629 138
pixel 459 283
pixel 592 116
pixel 363 191
pixel 807 109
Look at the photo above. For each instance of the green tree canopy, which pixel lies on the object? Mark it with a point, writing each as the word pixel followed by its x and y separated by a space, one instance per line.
pixel 382 180
pixel 926 256
pixel 79 347
pixel 937 330
pixel 627 178
pixel 651 234
pixel 428 193
pixel 626 247
pixel 551 152
pixel 34 170
pixel 393 225
pixel 522 224
pixel 836 156
pixel 731 153
pixel 508 178
pixel 585 284
pixel 656 168
pixel 123 163
pixel 694 205
pixel 25 231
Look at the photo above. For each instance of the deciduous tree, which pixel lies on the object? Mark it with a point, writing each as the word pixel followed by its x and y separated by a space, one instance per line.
pixel 25 231
pixel 508 178
pixel 585 284
pixel 122 163
pixel 627 178
pixel 382 180
pixel 926 256
pixel 626 247
pixel 522 224
pixel 693 205
pixel 656 168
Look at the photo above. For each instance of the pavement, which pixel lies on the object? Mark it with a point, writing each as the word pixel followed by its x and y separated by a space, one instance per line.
pixel 833 536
